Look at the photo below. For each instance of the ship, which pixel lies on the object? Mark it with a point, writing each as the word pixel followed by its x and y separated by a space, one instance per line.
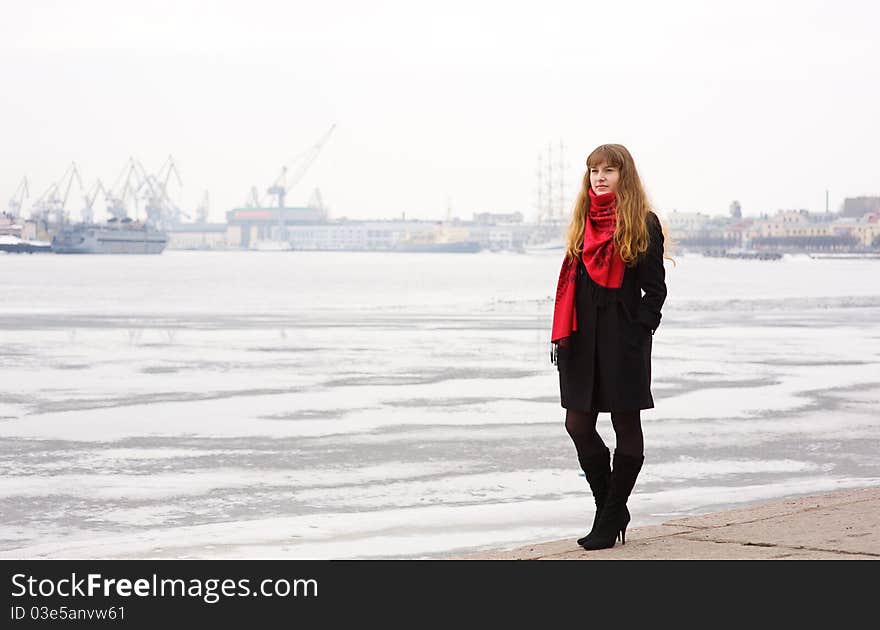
pixel 845 255
pixel 122 236
pixel 268 245
pixel 548 247
pixel 442 239
pixel 452 247
pixel 11 240
pixel 16 245
pixel 742 254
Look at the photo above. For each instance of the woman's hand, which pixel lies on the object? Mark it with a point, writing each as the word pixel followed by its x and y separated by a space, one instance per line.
pixel 652 277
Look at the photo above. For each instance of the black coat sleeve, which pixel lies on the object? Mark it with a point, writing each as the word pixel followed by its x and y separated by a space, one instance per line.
pixel 652 277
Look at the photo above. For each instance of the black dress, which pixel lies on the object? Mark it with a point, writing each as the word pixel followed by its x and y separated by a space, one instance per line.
pixel 607 364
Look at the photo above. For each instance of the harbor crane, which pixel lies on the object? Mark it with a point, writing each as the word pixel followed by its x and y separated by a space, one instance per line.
pixel 301 163
pixel 161 211
pixel 52 202
pixel 204 209
pixel 88 215
pixel 317 201
pixel 18 198
pixel 121 190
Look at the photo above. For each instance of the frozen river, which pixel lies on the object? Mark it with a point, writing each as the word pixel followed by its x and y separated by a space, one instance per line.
pixel 355 405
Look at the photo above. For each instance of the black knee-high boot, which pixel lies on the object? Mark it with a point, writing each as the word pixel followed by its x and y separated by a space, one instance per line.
pixel 615 517
pixel 597 468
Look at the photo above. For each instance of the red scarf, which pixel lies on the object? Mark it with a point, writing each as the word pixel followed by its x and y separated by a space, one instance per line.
pixel 603 263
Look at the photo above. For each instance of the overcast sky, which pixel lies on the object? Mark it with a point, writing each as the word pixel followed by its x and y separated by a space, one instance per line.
pixel 446 103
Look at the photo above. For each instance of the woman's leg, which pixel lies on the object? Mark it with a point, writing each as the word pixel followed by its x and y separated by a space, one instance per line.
pixel 628 429
pixel 593 456
pixel 581 426
pixel 628 460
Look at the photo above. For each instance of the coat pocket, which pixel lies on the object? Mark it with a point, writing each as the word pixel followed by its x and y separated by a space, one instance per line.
pixel 633 333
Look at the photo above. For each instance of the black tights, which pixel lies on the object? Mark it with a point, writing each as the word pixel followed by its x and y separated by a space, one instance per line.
pixel 581 426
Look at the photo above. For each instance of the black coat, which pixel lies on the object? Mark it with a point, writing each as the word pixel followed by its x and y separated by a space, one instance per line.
pixel 607 365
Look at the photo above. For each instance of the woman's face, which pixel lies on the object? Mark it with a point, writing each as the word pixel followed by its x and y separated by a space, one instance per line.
pixel 604 178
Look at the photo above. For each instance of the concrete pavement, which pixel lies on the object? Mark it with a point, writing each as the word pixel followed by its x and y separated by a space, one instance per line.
pixel 842 525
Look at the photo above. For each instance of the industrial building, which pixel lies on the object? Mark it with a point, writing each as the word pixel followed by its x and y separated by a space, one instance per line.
pixel 855 207
pixel 198 236
pixel 247 226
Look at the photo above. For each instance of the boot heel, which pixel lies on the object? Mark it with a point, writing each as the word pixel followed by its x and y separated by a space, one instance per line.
pixel 623 536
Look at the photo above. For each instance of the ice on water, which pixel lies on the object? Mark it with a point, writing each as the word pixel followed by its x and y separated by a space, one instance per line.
pixel 330 405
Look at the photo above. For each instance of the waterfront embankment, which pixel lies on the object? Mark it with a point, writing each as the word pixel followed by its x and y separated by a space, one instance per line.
pixel 842 525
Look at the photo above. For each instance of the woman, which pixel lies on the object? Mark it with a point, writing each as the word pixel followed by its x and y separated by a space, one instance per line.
pixel 603 327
